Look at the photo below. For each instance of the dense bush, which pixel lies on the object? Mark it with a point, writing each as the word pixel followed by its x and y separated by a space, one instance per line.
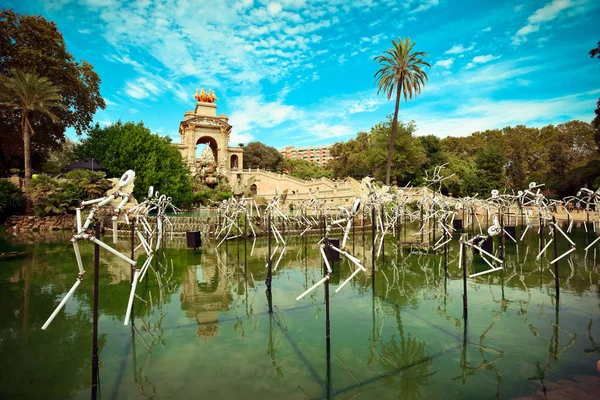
pixel 205 196
pixel 52 196
pixel 156 162
pixel 11 199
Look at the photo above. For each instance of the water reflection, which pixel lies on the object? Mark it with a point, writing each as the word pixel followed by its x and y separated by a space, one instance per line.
pixel 399 335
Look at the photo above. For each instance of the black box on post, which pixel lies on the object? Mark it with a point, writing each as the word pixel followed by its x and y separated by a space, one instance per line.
pixel 511 230
pixel 332 255
pixel 457 224
pixel 194 240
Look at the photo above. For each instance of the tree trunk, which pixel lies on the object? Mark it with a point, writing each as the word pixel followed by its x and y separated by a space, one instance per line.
pixel 388 167
pixel 26 145
pixel 27 159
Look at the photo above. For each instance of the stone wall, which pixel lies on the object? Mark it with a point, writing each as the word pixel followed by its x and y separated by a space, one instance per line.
pixel 19 223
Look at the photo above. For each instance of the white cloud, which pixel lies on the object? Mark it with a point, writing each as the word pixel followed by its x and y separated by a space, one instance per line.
pixel 142 88
pixel 545 14
pixel 365 104
pixel 425 5
pixel 84 31
pixel 459 48
pixel 447 63
pixel 482 114
pixel 481 60
pixel 252 112
pixel 236 138
pixel 488 29
pixel 274 8
pixel 325 131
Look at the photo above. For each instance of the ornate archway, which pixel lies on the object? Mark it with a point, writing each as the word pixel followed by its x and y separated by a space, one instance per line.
pixel 234 162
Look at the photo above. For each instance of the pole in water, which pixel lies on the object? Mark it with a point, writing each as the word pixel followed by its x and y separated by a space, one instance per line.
pixel 556 278
pixel 373 241
pixel 95 317
pixel 328 336
pixel 464 271
pixel 132 246
pixel 270 271
pixel 502 241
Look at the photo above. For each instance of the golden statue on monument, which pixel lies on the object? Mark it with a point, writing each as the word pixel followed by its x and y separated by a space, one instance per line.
pixel 204 97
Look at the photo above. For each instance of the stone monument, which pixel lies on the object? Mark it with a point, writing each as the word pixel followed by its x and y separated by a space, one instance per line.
pixel 204 126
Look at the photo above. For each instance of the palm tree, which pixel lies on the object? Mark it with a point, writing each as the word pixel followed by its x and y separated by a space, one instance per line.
pixel 401 72
pixel 28 94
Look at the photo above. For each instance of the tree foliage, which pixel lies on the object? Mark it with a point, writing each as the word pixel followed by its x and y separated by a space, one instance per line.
pixel 303 169
pixel 122 146
pixel 29 95
pixel 34 45
pixel 259 155
pixel 52 196
pixel 564 157
pixel 367 154
pixel 11 199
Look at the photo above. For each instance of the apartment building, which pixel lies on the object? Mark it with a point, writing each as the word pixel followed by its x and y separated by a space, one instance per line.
pixel 317 154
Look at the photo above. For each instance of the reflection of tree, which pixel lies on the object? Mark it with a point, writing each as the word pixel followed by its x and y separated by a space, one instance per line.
pixel 150 331
pixel 595 347
pixel 276 335
pixel 554 351
pixel 486 364
pixel 406 361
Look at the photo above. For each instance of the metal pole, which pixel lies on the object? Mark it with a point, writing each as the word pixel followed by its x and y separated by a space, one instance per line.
pixel 556 278
pixel 132 247
pixel 464 270
pixel 328 336
pixel 95 317
pixel 270 272
pixel 373 241
pixel 501 233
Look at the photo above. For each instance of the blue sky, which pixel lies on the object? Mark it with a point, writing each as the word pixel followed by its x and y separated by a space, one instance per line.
pixel 300 72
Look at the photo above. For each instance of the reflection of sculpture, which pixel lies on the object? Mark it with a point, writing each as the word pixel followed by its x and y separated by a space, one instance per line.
pixel 204 97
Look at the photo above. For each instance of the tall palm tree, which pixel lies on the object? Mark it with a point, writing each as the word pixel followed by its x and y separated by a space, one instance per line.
pixel 28 94
pixel 401 72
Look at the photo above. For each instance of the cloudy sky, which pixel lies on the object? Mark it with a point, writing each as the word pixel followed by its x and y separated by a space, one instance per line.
pixel 300 72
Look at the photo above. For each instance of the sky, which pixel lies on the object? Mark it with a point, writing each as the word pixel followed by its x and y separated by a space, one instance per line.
pixel 300 72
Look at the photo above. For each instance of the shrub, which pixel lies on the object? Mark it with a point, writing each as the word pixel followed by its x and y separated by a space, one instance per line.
pixel 11 199
pixel 52 196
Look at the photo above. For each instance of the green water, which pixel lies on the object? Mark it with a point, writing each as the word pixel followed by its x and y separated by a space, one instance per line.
pixel 203 328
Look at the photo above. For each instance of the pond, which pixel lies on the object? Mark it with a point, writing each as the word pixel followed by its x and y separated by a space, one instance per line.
pixel 202 326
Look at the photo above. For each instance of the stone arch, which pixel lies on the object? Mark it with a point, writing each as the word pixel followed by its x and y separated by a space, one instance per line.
pixel 212 143
pixel 253 189
pixel 234 162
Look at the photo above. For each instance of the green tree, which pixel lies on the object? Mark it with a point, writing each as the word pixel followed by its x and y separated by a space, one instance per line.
pixel 156 162
pixel 402 73
pixel 259 155
pixel 408 152
pixel 490 169
pixel 303 169
pixel 60 158
pixel 29 94
pixel 34 45
pixel 350 158
pixel 11 199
